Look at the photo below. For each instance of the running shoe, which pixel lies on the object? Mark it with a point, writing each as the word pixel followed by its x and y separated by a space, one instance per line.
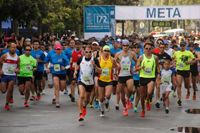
pixel 66 92
pixel 22 93
pixel 73 99
pixel 163 105
pixel 179 103
pixel 128 104
pixel 148 107
pixel 135 109
pixel 143 114
pixel 7 107
pixel 146 99
pixel 194 97
pixel 166 111
pixel 26 104
pixel 157 105
pixel 53 101
pixel 57 105
pixel 117 107
pixel 161 99
pixel 153 95
pixel 150 101
pixel 91 105
pixel 32 98
pixel 96 104
pixel 81 117
pixel 174 94
pixel 11 100
pixel 187 96
pixel 84 112
pixel 38 96
pixel 99 108
pixel 102 114
pixel 43 92
pixel 132 97
pixel 107 107
pixel 70 95
pixel 126 111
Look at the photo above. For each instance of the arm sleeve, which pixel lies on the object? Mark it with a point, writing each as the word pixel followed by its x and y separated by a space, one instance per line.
pixel 79 60
pixel 97 62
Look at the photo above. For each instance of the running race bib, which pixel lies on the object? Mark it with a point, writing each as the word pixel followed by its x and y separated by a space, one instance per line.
pixel 181 65
pixel 10 70
pixel 73 65
pixel 28 67
pixel 125 68
pixel 105 72
pixel 87 80
pixel 56 67
pixel 148 71
pixel 166 81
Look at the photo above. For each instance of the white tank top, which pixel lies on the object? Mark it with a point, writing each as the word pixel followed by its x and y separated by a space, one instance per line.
pixel 86 74
pixel 9 65
pixel 169 52
pixel 125 65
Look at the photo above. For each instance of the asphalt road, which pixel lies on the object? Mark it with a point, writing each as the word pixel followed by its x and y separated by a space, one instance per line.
pixel 43 117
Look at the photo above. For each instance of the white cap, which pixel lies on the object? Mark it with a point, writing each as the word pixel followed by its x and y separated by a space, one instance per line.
pixel 119 40
pixel 196 42
pixel 28 40
pixel 95 43
pixel 76 39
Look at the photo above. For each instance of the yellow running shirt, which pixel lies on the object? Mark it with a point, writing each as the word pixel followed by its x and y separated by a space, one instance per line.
pixel 107 71
pixel 182 57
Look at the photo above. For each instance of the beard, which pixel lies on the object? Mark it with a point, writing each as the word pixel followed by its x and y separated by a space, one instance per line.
pixel 12 52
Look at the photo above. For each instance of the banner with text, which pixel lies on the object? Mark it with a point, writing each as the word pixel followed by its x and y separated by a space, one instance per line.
pixel 97 19
pixel 157 12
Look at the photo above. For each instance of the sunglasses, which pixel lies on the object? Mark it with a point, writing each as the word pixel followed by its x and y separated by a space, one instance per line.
pixel 102 45
pixel 125 45
pixel 88 51
pixel 58 49
pixel 136 47
pixel 27 49
pixel 162 47
pixel 182 45
pixel 148 48
pixel 107 50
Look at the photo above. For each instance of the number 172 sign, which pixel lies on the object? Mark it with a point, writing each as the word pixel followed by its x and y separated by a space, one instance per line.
pixel 101 19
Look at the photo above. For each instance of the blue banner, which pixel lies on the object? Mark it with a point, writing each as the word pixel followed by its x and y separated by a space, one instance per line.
pixel 98 18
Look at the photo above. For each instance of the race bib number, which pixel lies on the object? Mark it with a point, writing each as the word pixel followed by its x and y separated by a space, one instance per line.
pixel 105 72
pixel 28 67
pixel 125 68
pixel 166 81
pixel 181 65
pixel 57 67
pixel 73 65
pixel 87 80
pixel 148 71
pixel 10 70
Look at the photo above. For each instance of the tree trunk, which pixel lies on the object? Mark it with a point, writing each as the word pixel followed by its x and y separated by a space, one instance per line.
pixel 39 26
pixel 0 27
pixel 15 27
pixel 78 31
pixel 51 33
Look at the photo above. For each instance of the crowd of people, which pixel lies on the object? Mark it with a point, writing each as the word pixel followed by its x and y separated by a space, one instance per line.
pixel 133 68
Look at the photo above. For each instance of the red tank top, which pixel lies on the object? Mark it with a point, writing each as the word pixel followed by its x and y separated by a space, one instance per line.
pixel 75 56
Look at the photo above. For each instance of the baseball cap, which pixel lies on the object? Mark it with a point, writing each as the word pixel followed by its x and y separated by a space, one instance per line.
pixel 115 42
pixel 183 43
pixel 191 44
pixel 58 47
pixel 95 43
pixel 134 44
pixel 125 41
pixel 28 40
pixel 196 42
pixel 166 42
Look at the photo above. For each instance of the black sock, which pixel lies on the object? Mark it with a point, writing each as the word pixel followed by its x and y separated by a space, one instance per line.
pixel 80 113
pixel 194 92
pixel 6 103
pixel 188 92
pixel 84 106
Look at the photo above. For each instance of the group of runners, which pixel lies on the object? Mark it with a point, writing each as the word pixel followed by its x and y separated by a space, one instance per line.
pixel 131 70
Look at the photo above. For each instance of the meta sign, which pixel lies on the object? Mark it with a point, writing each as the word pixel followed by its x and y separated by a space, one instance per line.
pixel 157 12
